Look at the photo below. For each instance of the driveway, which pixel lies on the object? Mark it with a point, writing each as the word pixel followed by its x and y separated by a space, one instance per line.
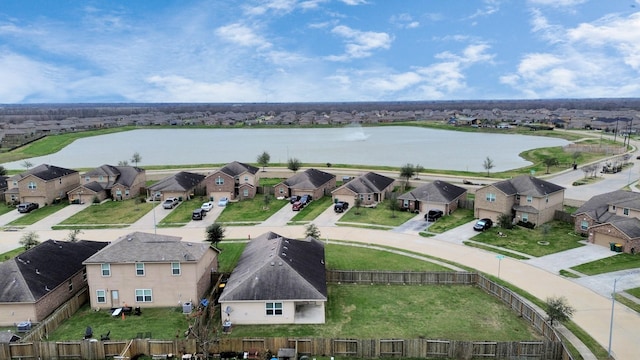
pixel 280 217
pixel 57 217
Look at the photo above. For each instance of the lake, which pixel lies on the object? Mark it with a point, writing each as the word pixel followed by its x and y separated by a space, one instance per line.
pixel 388 145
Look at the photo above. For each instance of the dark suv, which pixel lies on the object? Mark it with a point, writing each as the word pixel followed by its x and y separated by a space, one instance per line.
pixel 306 199
pixel 340 206
pixel 27 207
pixel 198 214
pixel 433 215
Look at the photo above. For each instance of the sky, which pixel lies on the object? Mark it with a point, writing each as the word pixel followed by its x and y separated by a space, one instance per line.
pixel 228 51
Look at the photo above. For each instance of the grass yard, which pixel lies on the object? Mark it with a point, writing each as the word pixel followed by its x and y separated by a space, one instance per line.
pixel 532 241
pixel 448 222
pixel 311 211
pixel 620 261
pixel 406 312
pixel 181 214
pixel 11 254
pixel 380 215
pixel 110 213
pixel 250 210
pixel 38 214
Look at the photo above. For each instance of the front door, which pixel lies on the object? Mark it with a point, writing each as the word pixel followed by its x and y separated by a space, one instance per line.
pixel 115 301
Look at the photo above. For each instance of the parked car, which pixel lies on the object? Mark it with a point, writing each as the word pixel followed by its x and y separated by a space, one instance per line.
pixel 483 224
pixel 198 214
pixel 170 203
pixel 340 206
pixel 306 199
pixel 297 206
pixel 223 201
pixel 27 207
pixel 433 215
pixel 207 206
pixel 294 198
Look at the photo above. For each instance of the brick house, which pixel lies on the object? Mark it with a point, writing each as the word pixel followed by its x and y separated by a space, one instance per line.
pixel 436 195
pixel 38 281
pixel 43 184
pixel 150 270
pixel 309 182
pixel 371 188
pixel 108 181
pixel 611 218
pixel 524 198
pixel 182 185
pixel 235 181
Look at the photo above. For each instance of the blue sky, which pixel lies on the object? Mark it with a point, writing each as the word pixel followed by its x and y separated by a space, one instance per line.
pixel 317 50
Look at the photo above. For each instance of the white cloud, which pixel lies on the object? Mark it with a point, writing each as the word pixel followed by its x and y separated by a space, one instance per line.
pixel 179 89
pixel 360 44
pixel 404 21
pixel 241 35
pixel 557 3
pixel 23 78
pixel 354 2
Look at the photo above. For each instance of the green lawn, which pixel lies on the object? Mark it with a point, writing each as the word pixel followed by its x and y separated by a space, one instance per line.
pixel 38 214
pixel 448 222
pixel 311 211
pixel 181 214
pixel 110 213
pixel 621 261
pixel 532 241
pixel 380 215
pixel 250 210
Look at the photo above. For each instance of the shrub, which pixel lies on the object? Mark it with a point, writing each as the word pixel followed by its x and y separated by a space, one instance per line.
pixel 526 224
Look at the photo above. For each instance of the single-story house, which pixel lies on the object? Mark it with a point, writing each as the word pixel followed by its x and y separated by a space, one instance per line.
pixel 108 181
pixel 235 181
pixel 182 185
pixel 312 182
pixel 611 218
pixel 38 281
pixel 43 184
pixel 150 270
pixel 371 188
pixel 436 195
pixel 277 281
pixel 524 198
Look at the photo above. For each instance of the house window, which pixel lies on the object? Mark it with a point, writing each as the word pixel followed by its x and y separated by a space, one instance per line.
pixel 625 211
pixel 118 193
pixel 274 308
pixel 584 225
pixel 281 191
pixel 361 197
pixel 525 217
pixel 175 268
pixel 246 178
pixel 369 197
pixel 613 208
pixel 529 198
pixel 546 199
pixel 70 285
pixel 126 192
pixel 32 185
pixel 87 178
pixel 15 183
pixel 106 269
pixel 84 274
pixel 101 178
pixel 139 269
pixel 491 197
pixel 101 296
pixel 245 192
pixel 143 295
pixel 219 181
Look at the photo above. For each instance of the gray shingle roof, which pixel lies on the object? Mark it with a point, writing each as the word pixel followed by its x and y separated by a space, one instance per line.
pixel 124 175
pixel 527 185
pixel 182 181
pixel 236 168
pixel 32 274
pixel 45 172
pixel 309 179
pixel 145 247
pixel 369 183
pixel 598 206
pixel 276 268
pixel 434 192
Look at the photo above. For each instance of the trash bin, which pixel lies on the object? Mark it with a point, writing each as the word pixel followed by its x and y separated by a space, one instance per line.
pixel 618 247
pixel 612 246
pixel 179 198
pixel 186 307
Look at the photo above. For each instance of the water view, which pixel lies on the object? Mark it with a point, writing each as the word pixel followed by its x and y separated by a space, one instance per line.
pixel 390 145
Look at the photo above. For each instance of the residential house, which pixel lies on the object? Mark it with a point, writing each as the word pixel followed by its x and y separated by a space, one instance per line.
pixel 108 181
pixel 150 270
pixel 371 188
pixel 235 181
pixel 309 182
pixel 182 185
pixel 437 195
pixel 38 281
pixel 43 184
pixel 611 218
pixel 524 198
pixel 277 281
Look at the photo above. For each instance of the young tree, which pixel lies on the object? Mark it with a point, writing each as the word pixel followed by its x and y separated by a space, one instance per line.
pixel 266 201
pixel 136 158
pixel 545 230
pixel 575 156
pixel 123 163
pixel 418 170
pixel 263 159
pixel 393 204
pixel 3 171
pixel 407 171
pixel 488 164
pixel 73 235
pixel 549 161
pixel 29 240
pixel 558 309
pixel 505 221
pixel 311 230
pixel 357 204
pixel 215 233
pixel 294 164
pixel 27 164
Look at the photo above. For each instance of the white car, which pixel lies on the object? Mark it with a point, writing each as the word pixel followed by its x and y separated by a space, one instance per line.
pixel 207 206
pixel 223 201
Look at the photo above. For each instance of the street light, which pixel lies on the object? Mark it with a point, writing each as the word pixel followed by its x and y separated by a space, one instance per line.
pixel 499 257
pixel 613 304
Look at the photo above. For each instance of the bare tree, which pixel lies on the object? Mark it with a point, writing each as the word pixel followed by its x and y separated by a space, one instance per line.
pixel 123 163
pixel 418 170
pixel 136 158
pixel 558 309
pixel 488 164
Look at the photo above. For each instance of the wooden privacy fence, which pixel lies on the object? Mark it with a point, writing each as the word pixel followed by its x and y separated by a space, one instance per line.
pixel 42 329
